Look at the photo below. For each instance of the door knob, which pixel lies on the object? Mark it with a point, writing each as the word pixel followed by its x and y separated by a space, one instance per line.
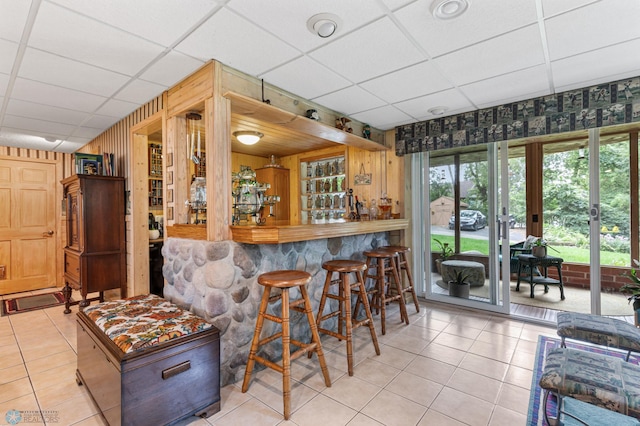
pixel 49 233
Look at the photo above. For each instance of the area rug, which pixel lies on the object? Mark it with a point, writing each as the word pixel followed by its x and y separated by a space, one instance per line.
pixel 535 416
pixel 31 303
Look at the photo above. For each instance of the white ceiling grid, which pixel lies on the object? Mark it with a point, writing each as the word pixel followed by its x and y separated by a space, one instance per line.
pixel 69 69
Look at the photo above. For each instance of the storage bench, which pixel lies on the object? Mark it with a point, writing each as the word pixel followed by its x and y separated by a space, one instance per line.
pixel 145 361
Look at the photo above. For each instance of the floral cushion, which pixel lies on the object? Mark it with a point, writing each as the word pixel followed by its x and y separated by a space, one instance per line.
pixel 143 321
pixel 599 330
pixel 578 413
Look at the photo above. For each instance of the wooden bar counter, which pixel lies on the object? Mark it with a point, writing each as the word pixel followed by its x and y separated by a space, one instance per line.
pixel 292 233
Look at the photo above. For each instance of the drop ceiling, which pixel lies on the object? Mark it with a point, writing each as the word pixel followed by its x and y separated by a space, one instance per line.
pixel 70 69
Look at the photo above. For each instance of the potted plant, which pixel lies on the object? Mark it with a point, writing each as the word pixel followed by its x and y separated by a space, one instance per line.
pixel 539 248
pixel 445 253
pixel 633 291
pixel 458 286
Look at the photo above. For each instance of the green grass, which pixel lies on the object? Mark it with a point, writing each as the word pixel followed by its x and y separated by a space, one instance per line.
pixel 568 253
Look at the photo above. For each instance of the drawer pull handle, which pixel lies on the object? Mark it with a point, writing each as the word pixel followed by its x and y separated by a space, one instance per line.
pixel 175 370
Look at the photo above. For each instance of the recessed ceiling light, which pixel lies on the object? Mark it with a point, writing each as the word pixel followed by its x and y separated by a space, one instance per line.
pixel 50 138
pixel 324 25
pixel 248 137
pixel 439 110
pixel 448 9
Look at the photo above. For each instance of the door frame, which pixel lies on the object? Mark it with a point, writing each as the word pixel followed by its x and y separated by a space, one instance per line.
pixel 139 178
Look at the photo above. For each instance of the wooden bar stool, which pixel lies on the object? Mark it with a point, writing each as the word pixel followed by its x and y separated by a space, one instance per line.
pixel 346 320
pixel 403 265
pixel 284 280
pixel 386 277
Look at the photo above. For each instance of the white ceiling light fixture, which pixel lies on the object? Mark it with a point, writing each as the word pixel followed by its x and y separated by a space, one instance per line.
pixel 248 137
pixel 448 9
pixel 324 25
pixel 439 110
pixel 50 139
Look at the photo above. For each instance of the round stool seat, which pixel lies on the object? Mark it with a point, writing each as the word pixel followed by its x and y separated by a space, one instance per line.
pixel 380 253
pixel 401 249
pixel 344 265
pixel 283 279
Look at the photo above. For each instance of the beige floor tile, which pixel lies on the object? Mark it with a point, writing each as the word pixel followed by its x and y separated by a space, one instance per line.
pixel 478 321
pixel 375 372
pixel 57 393
pixel 519 376
pixel 414 388
pixel 391 409
pixel 485 366
pixel 407 343
pixel 463 407
pixel 362 420
pixel 231 397
pixel 514 398
pixel 523 360
pixel 504 417
pixel 394 357
pixel 22 403
pixel 44 379
pixel 498 339
pixel 98 420
pixel 504 326
pixel 12 373
pixel 462 331
pixel 431 323
pixel 475 384
pixel 353 392
pixel 527 346
pixel 431 369
pixel 322 411
pixel 52 361
pixel 270 393
pixel 308 371
pixel 444 353
pixel 73 410
pixel 252 412
pixel 418 332
pixel 499 353
pixel 15 389
pixel 7 339
pixel 434 418
pixel 453 341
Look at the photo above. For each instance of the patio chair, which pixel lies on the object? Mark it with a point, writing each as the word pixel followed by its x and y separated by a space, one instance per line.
pixel 515 250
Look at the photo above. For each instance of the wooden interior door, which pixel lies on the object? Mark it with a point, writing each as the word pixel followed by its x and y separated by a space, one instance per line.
pixel 27 240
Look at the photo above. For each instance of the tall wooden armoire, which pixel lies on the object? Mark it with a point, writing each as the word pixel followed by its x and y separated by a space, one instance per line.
pixel 95 252
pixel 278 178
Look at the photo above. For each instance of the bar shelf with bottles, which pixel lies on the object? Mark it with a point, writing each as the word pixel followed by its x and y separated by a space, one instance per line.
pixel 323 190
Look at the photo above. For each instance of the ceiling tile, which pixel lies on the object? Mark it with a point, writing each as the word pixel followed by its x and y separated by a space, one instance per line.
pixel 350 100
pixel 554 7
pixel 8 52
pixel 25 123
pixel 4 81
pixel 483 20
pixel 140 91
pixel 90 41
pixel 117 108
pixel 228 38
pixel 306 78
pixel 56 70
pixel 395 4
pixel 33 91
pixel 358 61
pixel 71 145
pixel 171 68
pixel 387 117
pixel 493 57
pixel 608 64
pixel 86 132
pixel 164 20
pixel 514 86
pixel 13 18
pixel 100 122
pixel 287 19
pixel 419 107
pixel 45 112
pixel 411 82
pixel 604 23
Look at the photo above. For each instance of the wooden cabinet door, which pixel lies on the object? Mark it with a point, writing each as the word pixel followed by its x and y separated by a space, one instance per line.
pixel 27 240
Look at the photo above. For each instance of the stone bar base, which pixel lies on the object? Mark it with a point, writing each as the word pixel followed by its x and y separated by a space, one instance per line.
pixel 218 282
